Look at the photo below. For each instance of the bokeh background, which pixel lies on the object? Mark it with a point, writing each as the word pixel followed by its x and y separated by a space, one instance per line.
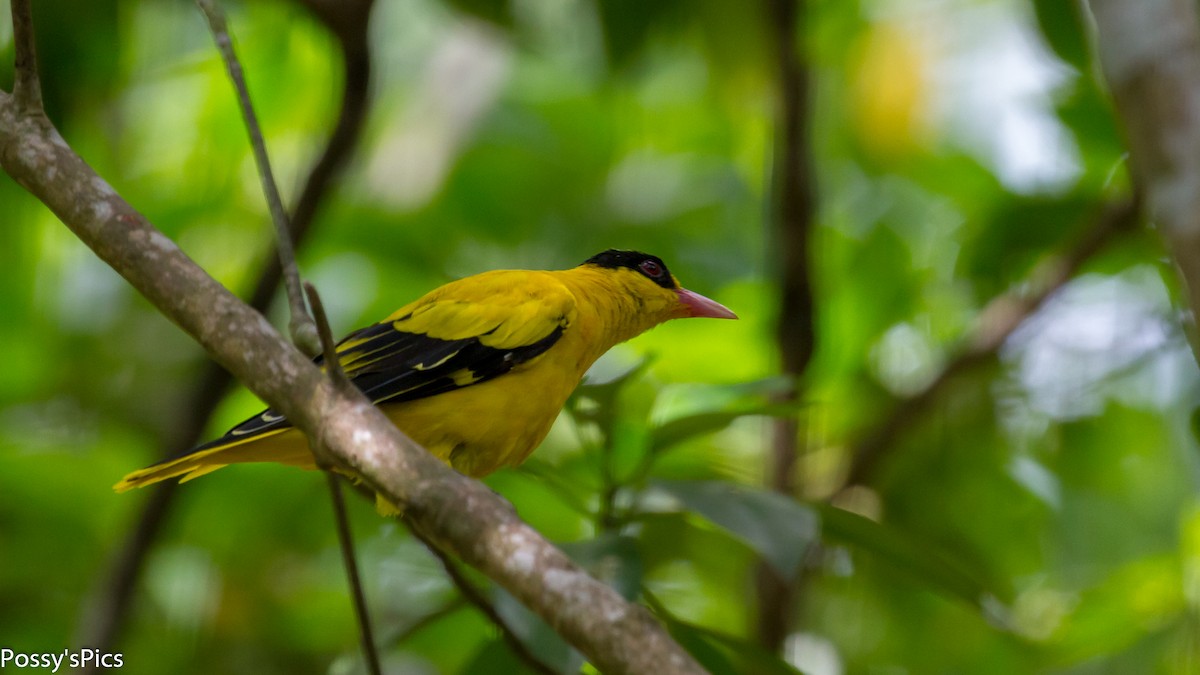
pixel 1034 506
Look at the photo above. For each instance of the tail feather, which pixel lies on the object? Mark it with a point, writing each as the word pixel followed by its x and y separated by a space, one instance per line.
pixel 283 446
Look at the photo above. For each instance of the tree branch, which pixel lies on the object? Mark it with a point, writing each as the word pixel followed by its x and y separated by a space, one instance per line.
pixel 795 212
pixel 996 323
pixel 353 579
pixel 458 514
pixel 1150 53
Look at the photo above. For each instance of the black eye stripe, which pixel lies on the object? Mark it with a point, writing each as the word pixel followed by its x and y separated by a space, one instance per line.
pixel 649 266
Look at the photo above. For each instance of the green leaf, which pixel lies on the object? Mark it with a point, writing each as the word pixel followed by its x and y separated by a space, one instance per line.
pixel 749 657
pixel 681 429
pixel 536 634
pixel 602 407
pixel 717 651
pixel 611 558
pixel 917 559
pixel 495 658
pixel 1020 232
pixel 629 23
pixel 701 648
pixel 1062 25
pixel 1139 597
pixel 778 528
pixel 605 390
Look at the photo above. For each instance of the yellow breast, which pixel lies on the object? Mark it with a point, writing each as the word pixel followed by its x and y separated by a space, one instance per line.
pixel 497 423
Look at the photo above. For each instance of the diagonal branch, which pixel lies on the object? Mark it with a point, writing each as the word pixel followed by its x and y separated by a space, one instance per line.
pixel 996 323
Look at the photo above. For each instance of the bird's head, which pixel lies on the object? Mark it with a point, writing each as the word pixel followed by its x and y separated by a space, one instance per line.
pixel 654 289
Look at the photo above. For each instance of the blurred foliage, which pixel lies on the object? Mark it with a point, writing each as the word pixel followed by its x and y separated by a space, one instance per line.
pixel 1040 516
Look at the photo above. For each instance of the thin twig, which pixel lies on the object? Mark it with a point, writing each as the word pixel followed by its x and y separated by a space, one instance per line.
pixel 997 322
pixel 333 365
pixel 475 596
pixel 333 368
pixel 350 562
pixel 27 89
pixel 300 325
pixel 325 460
pixel 103 618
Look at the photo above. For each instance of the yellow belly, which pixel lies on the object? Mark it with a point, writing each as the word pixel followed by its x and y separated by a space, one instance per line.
pixel 484 427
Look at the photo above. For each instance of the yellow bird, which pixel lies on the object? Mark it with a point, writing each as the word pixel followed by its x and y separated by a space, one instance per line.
pixel 477 370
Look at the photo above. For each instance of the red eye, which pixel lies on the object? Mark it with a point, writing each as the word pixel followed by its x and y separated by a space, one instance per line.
pixel 651 269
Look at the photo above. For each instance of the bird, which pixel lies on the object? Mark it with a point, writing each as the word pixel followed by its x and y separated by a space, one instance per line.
pixel 475 371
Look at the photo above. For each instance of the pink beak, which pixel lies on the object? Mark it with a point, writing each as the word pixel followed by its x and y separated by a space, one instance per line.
pixel 700 306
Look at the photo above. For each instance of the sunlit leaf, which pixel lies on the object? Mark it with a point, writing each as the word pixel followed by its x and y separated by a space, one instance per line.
pixel 685 428
pixel 1143 596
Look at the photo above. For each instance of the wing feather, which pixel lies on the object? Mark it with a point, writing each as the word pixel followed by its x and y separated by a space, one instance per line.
pixel 464 333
